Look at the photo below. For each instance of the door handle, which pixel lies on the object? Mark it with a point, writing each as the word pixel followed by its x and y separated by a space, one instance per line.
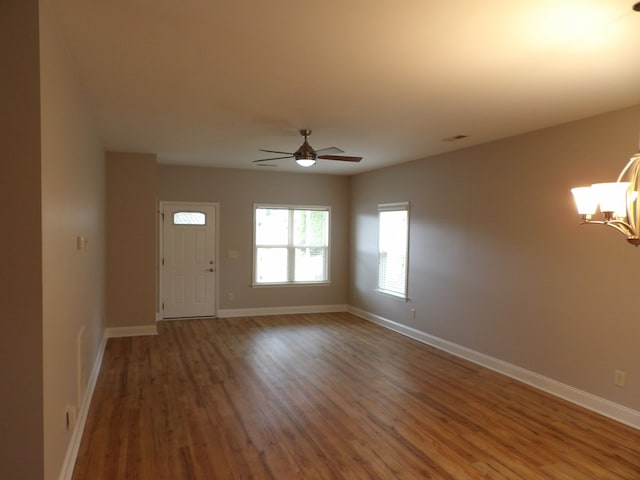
pixel 210 270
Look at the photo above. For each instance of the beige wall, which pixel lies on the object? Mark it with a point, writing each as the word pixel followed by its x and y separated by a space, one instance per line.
pixel 52 190
pixel 131 240
pixel 21 402
pixel 73 204
pixel 236 191
pixel 498 262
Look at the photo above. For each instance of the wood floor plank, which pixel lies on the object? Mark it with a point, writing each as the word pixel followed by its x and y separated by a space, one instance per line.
pixel 329 396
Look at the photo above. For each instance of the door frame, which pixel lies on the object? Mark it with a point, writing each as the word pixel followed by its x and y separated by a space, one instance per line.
pixel 216 250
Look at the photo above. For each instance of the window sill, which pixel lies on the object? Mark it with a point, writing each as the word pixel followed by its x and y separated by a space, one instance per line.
pixel 290 284
pixel 399 296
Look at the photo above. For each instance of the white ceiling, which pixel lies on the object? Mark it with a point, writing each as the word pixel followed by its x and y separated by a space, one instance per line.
pixel 209 82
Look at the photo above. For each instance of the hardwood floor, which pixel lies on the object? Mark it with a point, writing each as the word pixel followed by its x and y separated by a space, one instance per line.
pixel 329 396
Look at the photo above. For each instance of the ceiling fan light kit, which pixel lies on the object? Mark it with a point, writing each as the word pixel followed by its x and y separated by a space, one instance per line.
pixel 306 156
pixel 306 162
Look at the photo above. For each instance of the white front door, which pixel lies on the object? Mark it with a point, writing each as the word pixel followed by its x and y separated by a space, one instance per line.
pixel 188 260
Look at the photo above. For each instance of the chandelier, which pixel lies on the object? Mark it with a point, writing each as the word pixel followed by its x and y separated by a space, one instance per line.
pixel 618 201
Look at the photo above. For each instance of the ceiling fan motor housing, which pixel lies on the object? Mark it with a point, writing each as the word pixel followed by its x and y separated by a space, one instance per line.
pixel 305 151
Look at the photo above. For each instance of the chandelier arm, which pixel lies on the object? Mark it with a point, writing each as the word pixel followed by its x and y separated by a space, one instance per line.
pixel 622 227
pixel 633 210
pixel 623 172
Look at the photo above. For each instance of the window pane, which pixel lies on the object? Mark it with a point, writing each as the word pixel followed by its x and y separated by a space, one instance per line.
pixel 392 265
pixel 310 265
pixel 271 265
pixel 310 227
pixel 189 218
pixel 272 226
pixel 292 244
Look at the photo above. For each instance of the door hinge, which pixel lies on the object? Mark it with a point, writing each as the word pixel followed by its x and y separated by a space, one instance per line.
pixel 163 261
pixel 162 305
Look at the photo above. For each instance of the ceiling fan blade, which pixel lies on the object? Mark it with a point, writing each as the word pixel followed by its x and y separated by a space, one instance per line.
pixel 342 158
pixel 274 158
pixel 275 151
pixel 329 151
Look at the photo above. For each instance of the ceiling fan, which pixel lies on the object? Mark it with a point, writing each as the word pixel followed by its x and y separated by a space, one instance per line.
pixel 306 156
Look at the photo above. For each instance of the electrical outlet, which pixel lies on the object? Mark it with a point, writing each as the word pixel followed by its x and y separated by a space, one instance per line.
pixel 413 313
pixel 620 378
pixel 230 296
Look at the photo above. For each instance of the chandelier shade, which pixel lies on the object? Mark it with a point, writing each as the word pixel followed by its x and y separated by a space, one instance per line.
pixel 586 200
pixel 612 197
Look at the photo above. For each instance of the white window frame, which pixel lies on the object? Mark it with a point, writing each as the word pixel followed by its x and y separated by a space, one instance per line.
pixel 394 207
pixel 291 248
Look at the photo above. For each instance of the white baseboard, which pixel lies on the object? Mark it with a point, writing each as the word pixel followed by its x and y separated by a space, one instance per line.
pixel 138 331
pixel 256 312
pixel 76 436
pixel 584 399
